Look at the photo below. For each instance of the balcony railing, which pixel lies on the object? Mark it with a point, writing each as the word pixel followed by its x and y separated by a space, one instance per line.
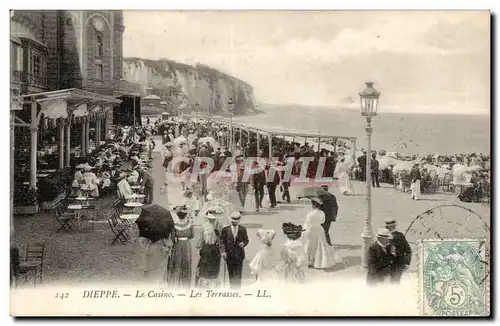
pixel 33 80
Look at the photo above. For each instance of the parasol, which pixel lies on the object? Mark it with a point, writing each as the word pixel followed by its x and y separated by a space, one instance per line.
pixel 312 192
pixel 155 222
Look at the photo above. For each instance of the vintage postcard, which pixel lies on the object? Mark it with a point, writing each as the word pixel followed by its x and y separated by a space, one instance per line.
pixel 250 163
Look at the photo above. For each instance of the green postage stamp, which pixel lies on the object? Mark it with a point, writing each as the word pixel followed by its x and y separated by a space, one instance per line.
pixel 454 278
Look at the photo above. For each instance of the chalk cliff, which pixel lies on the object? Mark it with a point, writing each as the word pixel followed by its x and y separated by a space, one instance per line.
pixel 183 86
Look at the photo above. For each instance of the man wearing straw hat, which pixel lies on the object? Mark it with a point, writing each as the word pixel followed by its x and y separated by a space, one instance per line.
pixel 233 240
pixel 403 251
pixel 381 256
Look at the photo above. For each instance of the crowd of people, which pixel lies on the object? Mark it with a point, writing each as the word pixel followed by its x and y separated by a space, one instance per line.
pixel 221 203
pixel 222 247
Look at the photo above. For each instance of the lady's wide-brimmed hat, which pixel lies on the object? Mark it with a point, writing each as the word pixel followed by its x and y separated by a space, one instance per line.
pixel 266 236
pixel 210 217
pixel 290 228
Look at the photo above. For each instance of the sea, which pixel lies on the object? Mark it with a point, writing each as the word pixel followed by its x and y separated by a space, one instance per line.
pixel 396 132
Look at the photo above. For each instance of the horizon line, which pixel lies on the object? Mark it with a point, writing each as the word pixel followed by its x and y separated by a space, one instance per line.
pixel 338 107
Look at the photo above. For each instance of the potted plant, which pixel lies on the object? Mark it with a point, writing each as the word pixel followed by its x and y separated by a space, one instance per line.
pixel 25 201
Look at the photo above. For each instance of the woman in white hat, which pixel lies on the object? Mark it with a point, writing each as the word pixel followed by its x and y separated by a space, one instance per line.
pixel 320 254
pixel 262 265
pixel 91 180
pixel 210 258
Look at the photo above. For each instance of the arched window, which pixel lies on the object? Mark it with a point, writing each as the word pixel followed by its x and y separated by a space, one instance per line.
pixel 99 46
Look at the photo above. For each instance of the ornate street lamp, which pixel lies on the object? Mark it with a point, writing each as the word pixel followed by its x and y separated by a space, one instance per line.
pixel 369 103
pixel 230 105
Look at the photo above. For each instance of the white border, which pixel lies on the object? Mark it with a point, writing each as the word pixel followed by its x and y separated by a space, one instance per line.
pixel 186 4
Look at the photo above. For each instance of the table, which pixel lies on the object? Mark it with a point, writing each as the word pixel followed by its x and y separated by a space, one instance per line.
pixel 136 197
pixel 136 188
pixel 84 200
pixel 133 204
pixel 47 170
pixel 87 189
pixel 43 175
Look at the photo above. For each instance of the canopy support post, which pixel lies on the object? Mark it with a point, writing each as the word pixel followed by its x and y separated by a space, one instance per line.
pixel 87 135
pixel 319 144
pixel 68 142
pixel 335 146
pixel 82 152
pixel 33 145
pixel 270 136
pixel 61 143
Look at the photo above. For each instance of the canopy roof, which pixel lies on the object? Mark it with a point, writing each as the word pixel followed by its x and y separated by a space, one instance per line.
pixel 73 97
pixel 265 129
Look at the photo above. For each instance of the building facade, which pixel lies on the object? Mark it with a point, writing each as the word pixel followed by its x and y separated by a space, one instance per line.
pixel 60 49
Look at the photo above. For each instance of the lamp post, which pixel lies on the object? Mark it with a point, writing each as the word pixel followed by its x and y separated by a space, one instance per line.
pixel 369 103
pixel 230 104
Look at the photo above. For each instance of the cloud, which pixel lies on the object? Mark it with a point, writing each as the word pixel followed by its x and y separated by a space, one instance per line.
pixel 324 57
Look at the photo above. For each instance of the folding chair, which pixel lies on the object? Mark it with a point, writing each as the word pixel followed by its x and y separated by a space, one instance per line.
pixel 119 231
pixel 33 261
pixel 64 219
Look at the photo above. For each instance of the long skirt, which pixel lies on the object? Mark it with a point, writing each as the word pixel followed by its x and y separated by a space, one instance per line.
pixel 209 266
pixel 415 190
pixel 179 267
pixel 345 184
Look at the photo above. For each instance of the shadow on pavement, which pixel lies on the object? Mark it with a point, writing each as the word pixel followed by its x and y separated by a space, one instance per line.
pixel 347 262
pixel 252 225
pixel 346 246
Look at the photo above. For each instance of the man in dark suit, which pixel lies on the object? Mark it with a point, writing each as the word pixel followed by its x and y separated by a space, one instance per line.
pixel 381 256
pixel 258 182
pixel 233 240
pixel 330 208
pixel 403 251
pixel 362 166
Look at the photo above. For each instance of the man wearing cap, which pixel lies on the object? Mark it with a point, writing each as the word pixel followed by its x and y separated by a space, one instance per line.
pixel 403 251
pixel 381 256
pixel 233 240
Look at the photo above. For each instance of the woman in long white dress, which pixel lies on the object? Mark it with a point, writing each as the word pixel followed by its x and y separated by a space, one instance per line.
pixel 263 264
pixel 342 173
pixel 319 253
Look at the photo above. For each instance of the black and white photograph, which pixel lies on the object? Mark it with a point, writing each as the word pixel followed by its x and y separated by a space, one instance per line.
pixel 250 162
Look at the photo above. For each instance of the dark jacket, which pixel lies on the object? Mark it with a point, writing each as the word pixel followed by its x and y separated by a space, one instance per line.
pixel 415 174
pixel 403 250
pixel 259 179
pixel 229 245
pixel 380 263
pixel 330 208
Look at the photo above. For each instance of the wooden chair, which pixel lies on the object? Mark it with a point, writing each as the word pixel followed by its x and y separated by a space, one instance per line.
pixel 119 230
pixel 64 219
pixel 33 262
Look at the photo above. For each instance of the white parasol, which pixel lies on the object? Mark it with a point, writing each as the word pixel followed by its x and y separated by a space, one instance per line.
pixel 179 140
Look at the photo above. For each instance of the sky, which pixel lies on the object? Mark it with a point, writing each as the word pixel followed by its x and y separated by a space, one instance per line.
pixel 421 61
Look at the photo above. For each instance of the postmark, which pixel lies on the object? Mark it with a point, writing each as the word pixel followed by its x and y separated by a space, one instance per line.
pixel 454 277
